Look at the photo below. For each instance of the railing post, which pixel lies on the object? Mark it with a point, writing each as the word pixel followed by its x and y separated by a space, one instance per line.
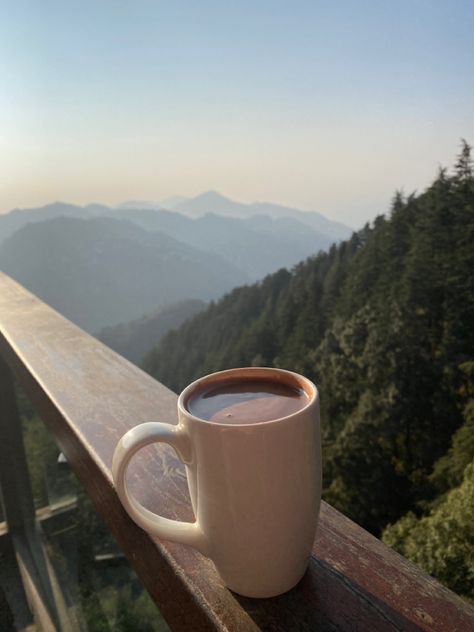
pixel 7 623
pixel 17 496
pixel 15 483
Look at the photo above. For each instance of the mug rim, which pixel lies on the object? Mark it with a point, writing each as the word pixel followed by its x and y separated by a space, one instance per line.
pixel 307 385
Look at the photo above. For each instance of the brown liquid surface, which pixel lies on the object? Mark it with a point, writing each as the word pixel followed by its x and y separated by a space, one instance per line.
pixel 246 401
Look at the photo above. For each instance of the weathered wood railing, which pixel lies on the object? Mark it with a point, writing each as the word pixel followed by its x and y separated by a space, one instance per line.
pixel 88 396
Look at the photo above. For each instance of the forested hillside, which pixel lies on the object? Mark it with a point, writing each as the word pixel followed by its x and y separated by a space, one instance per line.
pixel 133 339
pixel 102 271
pixel 383 323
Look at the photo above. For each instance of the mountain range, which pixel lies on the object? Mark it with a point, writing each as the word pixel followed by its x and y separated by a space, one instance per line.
pixel 214 202
pixel 101 266
pixel 210 202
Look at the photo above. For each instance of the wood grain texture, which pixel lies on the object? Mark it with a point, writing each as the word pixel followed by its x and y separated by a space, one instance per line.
pixel 89 396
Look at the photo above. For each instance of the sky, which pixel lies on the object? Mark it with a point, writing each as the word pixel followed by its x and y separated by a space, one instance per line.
pixel 326 106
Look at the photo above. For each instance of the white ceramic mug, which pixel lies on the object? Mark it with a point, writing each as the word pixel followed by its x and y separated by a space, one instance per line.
pixel 255 488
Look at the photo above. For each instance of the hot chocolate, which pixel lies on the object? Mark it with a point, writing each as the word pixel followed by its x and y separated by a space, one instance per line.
pixel 246 401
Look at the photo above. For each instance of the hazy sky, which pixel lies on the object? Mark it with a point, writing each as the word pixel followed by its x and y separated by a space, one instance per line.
pixel 328 106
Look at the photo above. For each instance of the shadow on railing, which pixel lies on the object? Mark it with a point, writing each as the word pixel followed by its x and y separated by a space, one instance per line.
pixel 88 396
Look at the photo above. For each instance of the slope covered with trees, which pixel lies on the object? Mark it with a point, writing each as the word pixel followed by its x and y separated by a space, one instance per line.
pixel 134 339
pixel 442 540
pixel 383 324
pixel 102 271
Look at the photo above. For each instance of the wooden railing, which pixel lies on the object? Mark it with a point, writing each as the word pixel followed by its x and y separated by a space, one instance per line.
pixel 88 396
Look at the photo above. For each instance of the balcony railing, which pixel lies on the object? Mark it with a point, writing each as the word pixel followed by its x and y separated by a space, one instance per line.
pixel 88 396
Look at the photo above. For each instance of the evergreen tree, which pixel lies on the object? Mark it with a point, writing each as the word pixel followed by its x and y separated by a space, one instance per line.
pixel 383 324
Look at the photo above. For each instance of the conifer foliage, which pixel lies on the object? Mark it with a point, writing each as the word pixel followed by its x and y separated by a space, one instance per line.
pixel 383 323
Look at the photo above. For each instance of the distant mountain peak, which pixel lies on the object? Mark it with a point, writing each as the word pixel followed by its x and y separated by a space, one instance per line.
pixel 212 195
pixel 211 202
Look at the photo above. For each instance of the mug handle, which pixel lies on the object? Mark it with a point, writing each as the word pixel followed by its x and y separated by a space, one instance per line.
pixel 133 441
